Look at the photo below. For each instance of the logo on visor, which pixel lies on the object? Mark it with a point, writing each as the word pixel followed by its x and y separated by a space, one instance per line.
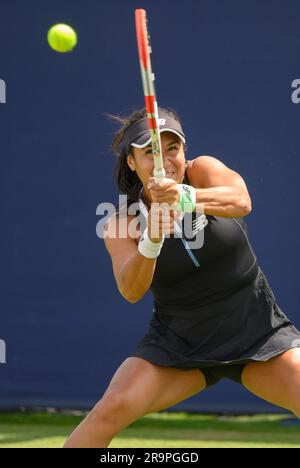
pixel 161 121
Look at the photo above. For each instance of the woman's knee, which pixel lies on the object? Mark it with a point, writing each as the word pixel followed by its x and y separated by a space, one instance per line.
pixel 292 384
pixel 110 405
pixel 115 410
pixel 293 389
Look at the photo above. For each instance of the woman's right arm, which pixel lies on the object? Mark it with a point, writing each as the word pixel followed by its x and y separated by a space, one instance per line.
pixel 133 271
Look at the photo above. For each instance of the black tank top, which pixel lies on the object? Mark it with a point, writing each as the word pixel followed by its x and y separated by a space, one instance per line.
pixel 190 278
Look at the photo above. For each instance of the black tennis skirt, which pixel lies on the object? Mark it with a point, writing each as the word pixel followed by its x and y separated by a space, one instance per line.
pixel 247 326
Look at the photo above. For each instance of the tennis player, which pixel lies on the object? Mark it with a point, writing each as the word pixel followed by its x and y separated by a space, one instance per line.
pixel 215 315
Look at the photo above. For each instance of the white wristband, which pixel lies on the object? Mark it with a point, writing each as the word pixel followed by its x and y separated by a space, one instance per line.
pixel 148 248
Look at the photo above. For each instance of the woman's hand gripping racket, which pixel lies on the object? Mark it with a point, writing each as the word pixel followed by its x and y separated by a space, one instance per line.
pixel 144 48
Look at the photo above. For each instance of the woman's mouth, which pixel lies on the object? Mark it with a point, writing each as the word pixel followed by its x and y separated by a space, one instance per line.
pixel 170 174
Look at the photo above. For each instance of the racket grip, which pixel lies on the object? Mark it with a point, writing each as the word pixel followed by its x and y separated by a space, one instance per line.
pixel 159 173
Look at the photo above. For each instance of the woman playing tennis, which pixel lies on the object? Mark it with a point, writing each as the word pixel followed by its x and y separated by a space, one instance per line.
pixel 215 315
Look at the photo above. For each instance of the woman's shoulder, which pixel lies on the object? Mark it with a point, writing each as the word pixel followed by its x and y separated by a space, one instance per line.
pixel 195 170
pixel 202 161
pixel 202 168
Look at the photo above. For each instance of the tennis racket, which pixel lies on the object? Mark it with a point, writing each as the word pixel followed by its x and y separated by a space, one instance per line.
pixel 144 49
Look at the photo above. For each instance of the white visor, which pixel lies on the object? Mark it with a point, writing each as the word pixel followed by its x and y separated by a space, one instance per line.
pixel 148 142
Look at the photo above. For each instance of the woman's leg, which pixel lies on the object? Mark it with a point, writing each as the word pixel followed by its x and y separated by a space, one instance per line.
pixel 277 380
pixel 136 389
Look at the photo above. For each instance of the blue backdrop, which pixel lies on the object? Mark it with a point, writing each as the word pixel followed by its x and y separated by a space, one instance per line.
pixel 227 68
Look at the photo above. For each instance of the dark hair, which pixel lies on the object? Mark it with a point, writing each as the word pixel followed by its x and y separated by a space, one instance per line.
pixel 127 180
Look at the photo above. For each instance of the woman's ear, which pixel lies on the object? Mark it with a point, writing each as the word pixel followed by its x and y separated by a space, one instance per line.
pixel 131 162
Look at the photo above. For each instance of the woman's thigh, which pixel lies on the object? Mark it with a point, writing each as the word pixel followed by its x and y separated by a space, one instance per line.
pixel 148 387
pixel 277 380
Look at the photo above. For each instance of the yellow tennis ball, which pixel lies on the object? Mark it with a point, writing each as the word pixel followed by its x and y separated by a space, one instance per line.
pixel 62 38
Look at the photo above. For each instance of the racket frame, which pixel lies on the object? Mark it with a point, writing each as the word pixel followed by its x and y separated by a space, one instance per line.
pixel 148 79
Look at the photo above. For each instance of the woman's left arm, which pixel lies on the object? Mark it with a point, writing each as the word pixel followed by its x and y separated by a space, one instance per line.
pixel 222 190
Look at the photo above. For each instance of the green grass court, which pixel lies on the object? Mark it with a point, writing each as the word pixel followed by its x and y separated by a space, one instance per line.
pixel 158 430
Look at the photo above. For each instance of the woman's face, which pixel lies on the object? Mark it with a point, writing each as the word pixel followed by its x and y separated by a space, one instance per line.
pixel 173 159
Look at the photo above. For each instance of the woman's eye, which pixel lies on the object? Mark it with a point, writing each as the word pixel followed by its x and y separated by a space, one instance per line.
pixel 172 148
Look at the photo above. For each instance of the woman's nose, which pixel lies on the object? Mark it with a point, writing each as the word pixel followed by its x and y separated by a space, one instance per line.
pixel 166 156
